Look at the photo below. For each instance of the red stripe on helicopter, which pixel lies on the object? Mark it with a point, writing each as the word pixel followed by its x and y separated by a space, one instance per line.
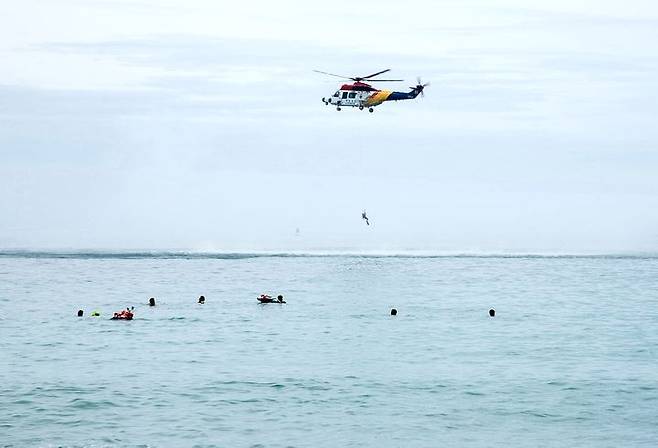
pixel 359 86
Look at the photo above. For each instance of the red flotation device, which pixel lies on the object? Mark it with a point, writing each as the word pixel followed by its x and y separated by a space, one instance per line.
pixel 123 315
pixel 264 298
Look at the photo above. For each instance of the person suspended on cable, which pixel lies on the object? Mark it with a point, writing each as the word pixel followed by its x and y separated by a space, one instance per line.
pixel 365 217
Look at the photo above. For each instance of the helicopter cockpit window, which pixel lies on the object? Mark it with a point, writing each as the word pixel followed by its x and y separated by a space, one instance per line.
pixel 336 94
pixel 344 95
pixel 352 94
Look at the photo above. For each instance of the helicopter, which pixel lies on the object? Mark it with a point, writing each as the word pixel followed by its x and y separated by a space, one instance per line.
pixel 362 95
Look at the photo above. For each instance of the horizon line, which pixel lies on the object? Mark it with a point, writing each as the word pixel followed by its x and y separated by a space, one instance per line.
pixel 323 252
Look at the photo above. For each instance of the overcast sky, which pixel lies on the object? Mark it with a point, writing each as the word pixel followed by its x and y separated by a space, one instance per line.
pixel 162 124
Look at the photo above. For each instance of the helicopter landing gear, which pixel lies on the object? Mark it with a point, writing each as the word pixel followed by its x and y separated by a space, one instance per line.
pixel 338 108
pixel 371 110
pixel 360 107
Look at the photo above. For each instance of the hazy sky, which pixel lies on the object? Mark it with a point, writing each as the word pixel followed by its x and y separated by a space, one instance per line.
pixel 199 125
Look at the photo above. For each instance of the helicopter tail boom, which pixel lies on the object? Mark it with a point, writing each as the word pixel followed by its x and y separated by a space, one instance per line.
pixel 387 95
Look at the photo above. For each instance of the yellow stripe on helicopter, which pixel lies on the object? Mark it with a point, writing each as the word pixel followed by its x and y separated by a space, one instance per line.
pixel 378 98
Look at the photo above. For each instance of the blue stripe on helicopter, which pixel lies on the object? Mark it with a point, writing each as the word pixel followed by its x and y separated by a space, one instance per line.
pixel 395 96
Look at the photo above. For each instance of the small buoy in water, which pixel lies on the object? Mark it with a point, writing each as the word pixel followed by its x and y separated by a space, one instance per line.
pixel 202 299
pixel 492 312
pixel 80 313
pixel 151 301
pixel 394 312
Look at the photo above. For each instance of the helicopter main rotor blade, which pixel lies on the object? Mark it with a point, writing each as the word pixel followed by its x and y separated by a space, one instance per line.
pixel 378 73
pixel 331 74
pixel 385 80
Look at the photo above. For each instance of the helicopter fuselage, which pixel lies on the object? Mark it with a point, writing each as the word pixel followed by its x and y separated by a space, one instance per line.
pixel 363 96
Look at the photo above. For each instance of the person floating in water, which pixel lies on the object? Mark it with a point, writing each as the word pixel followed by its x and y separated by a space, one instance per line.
pixel 365 217
pixel 126 314
pixel 264 298
pixel 202 300
pixel 152 301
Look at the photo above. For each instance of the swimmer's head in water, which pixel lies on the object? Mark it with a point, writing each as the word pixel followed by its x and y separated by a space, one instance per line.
pixel 151 301
pixel 394 312
pixel 492 312
pixel 202 299
pixel 80 313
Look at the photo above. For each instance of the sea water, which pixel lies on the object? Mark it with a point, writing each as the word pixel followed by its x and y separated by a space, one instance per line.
pixel 570 358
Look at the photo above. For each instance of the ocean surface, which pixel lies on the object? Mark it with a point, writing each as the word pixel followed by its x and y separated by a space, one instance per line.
pixel 569 360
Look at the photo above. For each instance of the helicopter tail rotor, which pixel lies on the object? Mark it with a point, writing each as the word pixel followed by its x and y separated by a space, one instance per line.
pixel 420 87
